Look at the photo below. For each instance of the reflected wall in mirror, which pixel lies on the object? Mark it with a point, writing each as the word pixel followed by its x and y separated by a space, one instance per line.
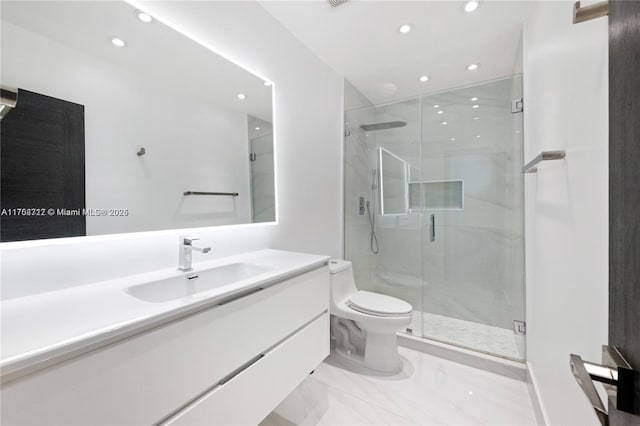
pixel 116 119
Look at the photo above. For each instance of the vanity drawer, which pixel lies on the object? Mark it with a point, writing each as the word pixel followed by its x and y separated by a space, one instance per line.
pixel 252 394
pixel 145 378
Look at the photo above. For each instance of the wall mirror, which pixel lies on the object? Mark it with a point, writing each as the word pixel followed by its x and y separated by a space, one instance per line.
pixel 393 183
pixel 113 122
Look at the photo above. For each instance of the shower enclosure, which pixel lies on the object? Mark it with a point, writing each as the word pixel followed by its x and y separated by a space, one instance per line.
pixel 434 212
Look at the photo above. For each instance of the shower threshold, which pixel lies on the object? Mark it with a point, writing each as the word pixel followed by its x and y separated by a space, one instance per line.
pixel 465 338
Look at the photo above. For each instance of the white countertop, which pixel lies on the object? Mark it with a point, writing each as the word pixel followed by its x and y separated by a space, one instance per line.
pixel 46 328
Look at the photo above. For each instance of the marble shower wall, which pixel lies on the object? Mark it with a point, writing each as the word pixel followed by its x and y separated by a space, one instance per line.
pixel 358 179
pixel 397 269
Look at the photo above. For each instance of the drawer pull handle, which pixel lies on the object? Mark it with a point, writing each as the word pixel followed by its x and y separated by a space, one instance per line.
pixel 240 369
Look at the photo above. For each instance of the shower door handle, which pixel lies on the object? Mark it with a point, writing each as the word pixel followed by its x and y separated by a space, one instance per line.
pixel 432 227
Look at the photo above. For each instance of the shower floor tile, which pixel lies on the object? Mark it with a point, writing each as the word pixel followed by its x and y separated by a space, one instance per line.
pixel 471 335
pixel 429 391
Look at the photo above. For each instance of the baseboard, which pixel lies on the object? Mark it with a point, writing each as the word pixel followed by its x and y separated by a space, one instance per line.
pixel 504 367
pixel 536 402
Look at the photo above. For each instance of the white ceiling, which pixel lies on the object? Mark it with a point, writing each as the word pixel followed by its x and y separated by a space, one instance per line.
pixel 361 41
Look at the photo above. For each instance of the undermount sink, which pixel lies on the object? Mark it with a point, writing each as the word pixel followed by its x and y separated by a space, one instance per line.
pixel 196 282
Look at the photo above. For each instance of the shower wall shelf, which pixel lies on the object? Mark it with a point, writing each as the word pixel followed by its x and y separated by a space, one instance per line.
pixel 229 194
pixel 532 166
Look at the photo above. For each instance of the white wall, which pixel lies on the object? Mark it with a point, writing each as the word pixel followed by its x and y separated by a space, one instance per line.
pixel 308 116
pixel 566 107
pixel 210 141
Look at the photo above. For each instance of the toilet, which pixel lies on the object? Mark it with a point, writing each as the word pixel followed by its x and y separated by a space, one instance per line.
pixel 364 324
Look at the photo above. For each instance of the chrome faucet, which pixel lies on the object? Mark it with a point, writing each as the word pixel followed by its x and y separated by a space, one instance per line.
pixel 185 252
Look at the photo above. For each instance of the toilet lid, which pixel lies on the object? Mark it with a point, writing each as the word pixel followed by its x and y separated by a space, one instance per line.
pixel 378 304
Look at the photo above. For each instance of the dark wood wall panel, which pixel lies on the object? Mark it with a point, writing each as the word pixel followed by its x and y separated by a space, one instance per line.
pixel 624 185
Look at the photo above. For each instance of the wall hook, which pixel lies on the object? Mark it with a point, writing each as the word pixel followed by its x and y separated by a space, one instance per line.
pixel 141 152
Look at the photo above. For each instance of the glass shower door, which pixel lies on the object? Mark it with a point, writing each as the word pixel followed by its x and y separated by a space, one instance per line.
pixel 471 199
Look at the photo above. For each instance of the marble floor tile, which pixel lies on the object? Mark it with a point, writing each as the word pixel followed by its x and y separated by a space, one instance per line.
pixel 429 391
pixel 314 402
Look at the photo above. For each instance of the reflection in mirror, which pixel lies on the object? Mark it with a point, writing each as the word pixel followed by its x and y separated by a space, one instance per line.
pixel 393 183
pixel 262 176
pixel 117 119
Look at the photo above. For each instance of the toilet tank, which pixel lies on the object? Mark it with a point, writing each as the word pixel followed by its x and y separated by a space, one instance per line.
pixel 342 283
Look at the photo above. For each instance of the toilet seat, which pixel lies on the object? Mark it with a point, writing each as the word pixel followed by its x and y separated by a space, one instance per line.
pixel 378 304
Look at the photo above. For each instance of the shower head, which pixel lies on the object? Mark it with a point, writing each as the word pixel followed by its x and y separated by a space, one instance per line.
pixel 382 126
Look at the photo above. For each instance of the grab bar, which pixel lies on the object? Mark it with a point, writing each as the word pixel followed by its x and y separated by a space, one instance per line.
pixel 532 166
pixel 230 194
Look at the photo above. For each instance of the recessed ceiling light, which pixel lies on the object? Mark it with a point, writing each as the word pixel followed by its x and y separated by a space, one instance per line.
pixel 436 106
pixel 257 128
pixel 241 96
pixel 476 106
pixel 472 67
pixel 517 131
pixel 476 118
pixel 478 136
pixel 453 139
pixel 475 98
pixel 404 29
pixel 470 6
pixel 424 78
pixel 444 123
pixel 441 112
pixel 143 16
pixel 118 42
pixel 267 83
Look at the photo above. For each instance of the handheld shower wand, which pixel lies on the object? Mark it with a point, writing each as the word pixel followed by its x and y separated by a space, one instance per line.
pixel 373 240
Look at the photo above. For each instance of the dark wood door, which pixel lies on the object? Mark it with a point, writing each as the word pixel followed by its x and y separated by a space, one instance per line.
pixel 42 168
pixel 624 188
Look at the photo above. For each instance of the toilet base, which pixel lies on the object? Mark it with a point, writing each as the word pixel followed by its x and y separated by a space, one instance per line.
pixel 354 362
pixel 376 350
pixel 381 352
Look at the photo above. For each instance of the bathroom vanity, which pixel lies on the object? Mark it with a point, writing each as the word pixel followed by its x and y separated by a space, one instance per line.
pixel 223 344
